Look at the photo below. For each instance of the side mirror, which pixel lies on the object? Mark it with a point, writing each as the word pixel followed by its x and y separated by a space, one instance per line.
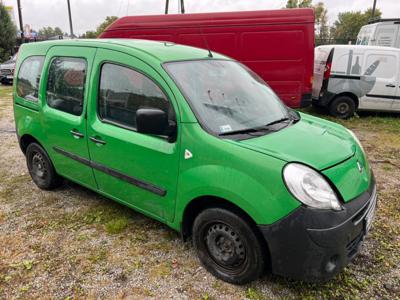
pixel 152 121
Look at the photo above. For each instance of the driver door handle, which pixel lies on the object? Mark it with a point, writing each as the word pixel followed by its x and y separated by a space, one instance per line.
pixel 390 85
pixel 76 134
pixel 97 140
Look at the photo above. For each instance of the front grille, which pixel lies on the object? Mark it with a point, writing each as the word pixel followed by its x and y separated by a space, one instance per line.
pixel 352 247
pixel 360 216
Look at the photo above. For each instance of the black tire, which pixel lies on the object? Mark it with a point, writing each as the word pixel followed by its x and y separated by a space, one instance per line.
pixel 41 168
pixel 342 107
pixel 227 246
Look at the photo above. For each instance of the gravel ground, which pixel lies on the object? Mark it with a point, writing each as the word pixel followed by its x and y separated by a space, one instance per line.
pixel 72 243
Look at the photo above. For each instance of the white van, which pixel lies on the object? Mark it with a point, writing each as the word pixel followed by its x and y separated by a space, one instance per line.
pixel 383 32
pixel 350 77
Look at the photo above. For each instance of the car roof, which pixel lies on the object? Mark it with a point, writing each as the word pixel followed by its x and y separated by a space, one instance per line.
pixel 161 51
pixel 360 47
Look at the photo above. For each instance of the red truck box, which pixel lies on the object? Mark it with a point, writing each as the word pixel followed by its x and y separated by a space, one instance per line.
pixel 276 44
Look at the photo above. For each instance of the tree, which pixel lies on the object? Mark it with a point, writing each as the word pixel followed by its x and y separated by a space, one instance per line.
pixel 348 24
pixel 321 16
pixel 7 34
pixel 321 21
pixel 49 32
pixel 298 4
pixel 94 34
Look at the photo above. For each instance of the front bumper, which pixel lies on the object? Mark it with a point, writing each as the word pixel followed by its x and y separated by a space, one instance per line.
pixel 314 245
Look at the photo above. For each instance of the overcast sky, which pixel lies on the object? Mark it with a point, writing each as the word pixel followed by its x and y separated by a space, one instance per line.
pixel 87 14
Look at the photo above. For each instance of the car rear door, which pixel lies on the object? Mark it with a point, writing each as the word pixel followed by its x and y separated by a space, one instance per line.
pixel 63 115
pixel 137 169
pixel 380 76
pixel 385 35
pixel 320 64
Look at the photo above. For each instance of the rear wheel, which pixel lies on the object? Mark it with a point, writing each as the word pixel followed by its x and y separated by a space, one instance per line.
pixel 40 168
pixel 227 246
pixel 342 107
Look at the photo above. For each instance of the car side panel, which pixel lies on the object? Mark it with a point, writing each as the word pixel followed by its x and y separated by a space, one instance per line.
pixel 225 170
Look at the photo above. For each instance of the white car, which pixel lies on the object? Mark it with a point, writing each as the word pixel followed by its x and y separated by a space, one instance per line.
pixel 354 77
pixel 7 70
pixel 381 32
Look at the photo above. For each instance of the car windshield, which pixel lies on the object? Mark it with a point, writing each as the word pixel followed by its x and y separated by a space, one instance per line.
pixel 227 97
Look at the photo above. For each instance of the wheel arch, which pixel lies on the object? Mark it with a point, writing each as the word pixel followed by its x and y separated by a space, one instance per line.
pixel 199 204
pixel 348 94
pixel 25 140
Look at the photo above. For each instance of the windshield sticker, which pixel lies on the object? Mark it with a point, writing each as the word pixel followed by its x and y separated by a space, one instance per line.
pixel 225 128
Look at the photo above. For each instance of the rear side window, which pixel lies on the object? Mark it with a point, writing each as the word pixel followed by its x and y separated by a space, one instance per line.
pixel 123 91
pixel 66 84
pixel 28 78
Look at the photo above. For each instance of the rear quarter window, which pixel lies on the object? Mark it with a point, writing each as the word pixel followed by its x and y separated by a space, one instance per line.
pixel 29 77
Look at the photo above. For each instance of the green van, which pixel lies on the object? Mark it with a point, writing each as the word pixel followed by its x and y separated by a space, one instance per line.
pixel 199 142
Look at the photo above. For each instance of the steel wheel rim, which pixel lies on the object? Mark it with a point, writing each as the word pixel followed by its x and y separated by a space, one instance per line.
pixel 39 167
pixel 343 108
pixel 225 246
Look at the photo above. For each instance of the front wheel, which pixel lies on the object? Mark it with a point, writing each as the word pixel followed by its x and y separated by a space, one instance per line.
pixel 40 168
pixel 227 246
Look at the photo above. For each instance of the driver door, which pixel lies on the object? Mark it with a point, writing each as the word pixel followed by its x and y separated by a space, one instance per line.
pixel 137 169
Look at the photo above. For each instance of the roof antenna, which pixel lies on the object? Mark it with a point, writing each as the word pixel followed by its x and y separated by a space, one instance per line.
pixel 205 42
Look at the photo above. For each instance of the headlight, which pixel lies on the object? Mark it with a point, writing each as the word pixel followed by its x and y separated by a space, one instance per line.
pixel 355 138
pixel 309 187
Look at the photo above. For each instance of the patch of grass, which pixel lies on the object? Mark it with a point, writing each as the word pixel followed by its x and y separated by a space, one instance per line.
pixel 97 256
pixel 160 270
pixel 116 225
pixel 389 122
pixel 104 214
pixel 13 186
pixel 6 91
pixel 205 296
pixel 254 294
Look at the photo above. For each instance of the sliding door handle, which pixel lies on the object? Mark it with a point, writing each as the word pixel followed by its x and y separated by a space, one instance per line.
pixel 97 140
pixel 76 134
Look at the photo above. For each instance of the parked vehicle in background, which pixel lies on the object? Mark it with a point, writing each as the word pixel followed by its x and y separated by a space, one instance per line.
pixel 7 70
pixel 351 77
pixel 381 32
pixel 201 144
pixel 276 44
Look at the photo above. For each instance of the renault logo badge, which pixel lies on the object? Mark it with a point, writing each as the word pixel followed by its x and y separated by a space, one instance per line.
pixel 188 154
pixel 359 167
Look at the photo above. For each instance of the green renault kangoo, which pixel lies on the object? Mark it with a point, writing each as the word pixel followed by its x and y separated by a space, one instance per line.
pixel 199 142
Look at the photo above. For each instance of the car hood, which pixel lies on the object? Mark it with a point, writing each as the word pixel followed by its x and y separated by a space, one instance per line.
pixel 312 141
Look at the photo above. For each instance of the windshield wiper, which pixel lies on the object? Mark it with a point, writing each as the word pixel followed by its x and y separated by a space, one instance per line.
pixel 244 131
pixel 278 121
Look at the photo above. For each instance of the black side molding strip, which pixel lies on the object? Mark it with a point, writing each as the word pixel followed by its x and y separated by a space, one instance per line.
pixel 134 181
pixel 73 156
pixel 346 76
pixel 383 96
